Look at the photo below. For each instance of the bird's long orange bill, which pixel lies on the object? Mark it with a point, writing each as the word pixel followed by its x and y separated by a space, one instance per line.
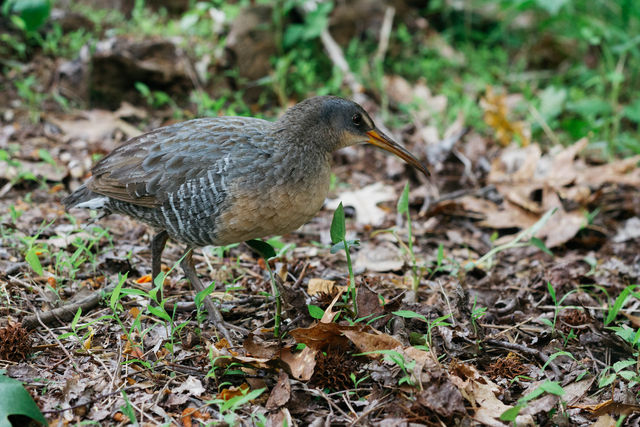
pixel 381 140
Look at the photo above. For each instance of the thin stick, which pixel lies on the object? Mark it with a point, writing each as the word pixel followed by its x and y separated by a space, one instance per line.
pixel 337 57
pixel 385 33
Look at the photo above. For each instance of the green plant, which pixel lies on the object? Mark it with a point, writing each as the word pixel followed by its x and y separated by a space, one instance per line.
pixel 476 315
pixel 17 401
pixel 158 99
pixel 557 306
pixel 630 335
pixel 428 338
pixel 34 250
pixel 357 381
pixel 31 96
pixel 27 15
pixel 127 409
pixel 315 311
pixel 397 358
pixel 403 209
pixel 340 242
pixel 620 371
pixel 614 309
pixel 229 407
pixel 66 266
pixel 550 387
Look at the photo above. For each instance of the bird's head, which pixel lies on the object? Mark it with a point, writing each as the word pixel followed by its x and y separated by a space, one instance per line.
pixel 334 123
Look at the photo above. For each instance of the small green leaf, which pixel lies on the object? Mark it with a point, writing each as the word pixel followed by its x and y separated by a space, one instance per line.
pixel 264 249
pixel 115 294
pixel 552 387
pixel 200 296
pixel 34 262
pixel 620 365
pixel 17 401
pixel 76 318
pixel 142 88
pixel 159 312
pixel 618 303
pixel 46 156
pixel 407 314
pixel 547 322
pixel 511 414
pixel 440 256
pixel 628 375
pixel 237 401
pixel 338 227
pixel 315 311
pixel 632 111
pixel 540 245
pixel 552 292
pixel 606 380
pixel 341 245
pixel 403 201
pixel 590 107
pixel 33 13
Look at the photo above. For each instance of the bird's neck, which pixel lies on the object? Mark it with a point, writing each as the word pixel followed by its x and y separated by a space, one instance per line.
pixel 308 137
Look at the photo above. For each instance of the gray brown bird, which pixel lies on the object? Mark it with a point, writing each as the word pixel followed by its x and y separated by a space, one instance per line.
pixel 222 180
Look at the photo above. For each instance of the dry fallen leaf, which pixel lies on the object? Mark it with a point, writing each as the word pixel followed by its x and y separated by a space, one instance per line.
pixel 281 392
pixel 371 342
pixel 496 114
pixel 318 286
pixel 92 125
pixel 532 184
pixel 365 202
pixel 300 364
pixel 379 257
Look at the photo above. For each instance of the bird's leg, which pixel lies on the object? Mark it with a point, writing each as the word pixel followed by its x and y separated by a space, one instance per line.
pixel 214 314
pixel 157 246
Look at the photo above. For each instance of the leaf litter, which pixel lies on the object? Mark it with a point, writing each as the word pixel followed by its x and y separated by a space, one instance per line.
pixel 474 365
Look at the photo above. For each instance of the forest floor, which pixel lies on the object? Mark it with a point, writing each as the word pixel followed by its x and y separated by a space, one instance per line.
pixel 510 295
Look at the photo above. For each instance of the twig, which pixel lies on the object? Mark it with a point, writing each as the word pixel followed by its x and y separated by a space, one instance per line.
pixel 5 189
pixel 446 299
pixel 332 404
pixel 374 405
pixel 66 312
pixel 86 402
pixel 385 33
pixel 337 57
pixel 69 356
pixel 544 125
pixel 456 195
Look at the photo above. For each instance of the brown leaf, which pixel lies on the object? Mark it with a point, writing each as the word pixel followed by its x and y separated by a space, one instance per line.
pixel 281 392
pixel 368 304
pixel 300 364
pixel 442 398
pixel 322 335
pixel 256 347
pixel 370 342
pixel 320 286
pixel 329 314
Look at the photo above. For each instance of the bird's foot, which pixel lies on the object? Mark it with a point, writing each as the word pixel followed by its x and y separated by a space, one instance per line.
pixel 223 327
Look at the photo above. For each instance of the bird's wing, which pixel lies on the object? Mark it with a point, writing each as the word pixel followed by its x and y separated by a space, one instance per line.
pixel 146 169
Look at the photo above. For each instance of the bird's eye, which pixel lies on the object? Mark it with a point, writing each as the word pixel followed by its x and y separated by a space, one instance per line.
pixel 357 119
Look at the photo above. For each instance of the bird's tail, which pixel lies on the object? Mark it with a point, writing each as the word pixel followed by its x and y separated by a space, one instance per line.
pixel 84 198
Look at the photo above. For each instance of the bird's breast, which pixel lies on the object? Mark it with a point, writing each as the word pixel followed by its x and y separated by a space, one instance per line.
pixel 272 202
